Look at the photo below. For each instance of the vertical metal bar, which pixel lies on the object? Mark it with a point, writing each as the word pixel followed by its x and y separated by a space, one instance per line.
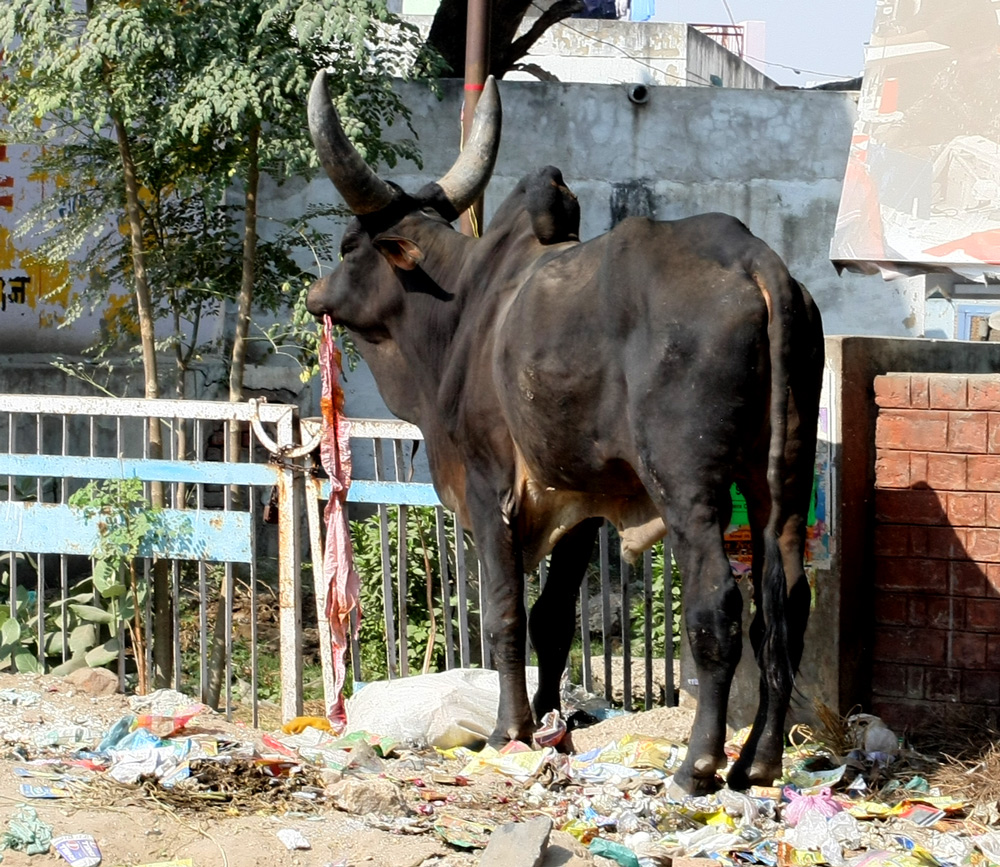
pixel 121 655
pixel 402 513
pixel 587 674
pixel 356 673
pixel 147 621
pixel 254 637
pixel 63 566
pixel 12 494
pixel 647 610
pixel 402 578
pixel 606 609
pixel 289 580
pixel 387 601
pixel 446 610
pixel 228 613
pixel 175 593
pixel 527 609
pixel 40 582
pixel 462 578
pixel 625 574
pixel 484 643
pixel 669 688
pixel 202 632
pixel 388 604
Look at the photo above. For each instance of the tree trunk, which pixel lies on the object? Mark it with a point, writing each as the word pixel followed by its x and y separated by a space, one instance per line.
pixel 237 370
pixel 162 620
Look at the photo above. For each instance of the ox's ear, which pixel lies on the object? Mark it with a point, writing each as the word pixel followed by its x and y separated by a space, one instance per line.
pixel 401 252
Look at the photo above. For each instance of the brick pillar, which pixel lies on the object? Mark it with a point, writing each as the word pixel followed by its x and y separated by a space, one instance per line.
pixel 937 546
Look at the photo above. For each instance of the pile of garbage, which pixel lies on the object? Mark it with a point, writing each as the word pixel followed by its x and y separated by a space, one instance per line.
pixel 861 802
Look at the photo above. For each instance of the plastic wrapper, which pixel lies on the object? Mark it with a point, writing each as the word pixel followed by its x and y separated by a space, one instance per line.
pixel 168 726
pixel 462 832
pixel 813 782
pixel 918 857
pixel 521 765
pixel 551 731
pixel 79 850
pixel 800 805
pixel 989 845
pixel 614 851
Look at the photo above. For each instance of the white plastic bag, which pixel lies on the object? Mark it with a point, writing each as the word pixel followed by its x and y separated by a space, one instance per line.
pixel 446 709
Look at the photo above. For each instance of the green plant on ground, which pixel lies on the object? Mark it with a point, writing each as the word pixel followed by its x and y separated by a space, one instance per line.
pixel 70 636
pixel 660 619
pixel 425 627
pixel 127 524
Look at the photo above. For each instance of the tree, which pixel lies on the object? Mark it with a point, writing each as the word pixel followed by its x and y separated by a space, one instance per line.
pixel 147 114
pixel 447 34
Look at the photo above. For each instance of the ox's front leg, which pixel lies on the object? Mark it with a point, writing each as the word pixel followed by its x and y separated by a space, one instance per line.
pixel 504 618
pixel 553 617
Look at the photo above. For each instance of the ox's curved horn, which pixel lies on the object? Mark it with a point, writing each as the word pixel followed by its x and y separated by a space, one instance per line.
pixel 468 177
pixel 363 190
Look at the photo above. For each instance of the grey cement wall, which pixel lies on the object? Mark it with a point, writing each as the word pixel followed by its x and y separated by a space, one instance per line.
pixel 775 159
pixel 706 57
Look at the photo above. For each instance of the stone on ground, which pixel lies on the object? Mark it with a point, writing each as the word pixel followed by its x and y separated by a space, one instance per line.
pixel 361 797
pixel 518 844
pixel 94 681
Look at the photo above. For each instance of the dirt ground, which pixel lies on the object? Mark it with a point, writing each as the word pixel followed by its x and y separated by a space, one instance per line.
pixel 133 830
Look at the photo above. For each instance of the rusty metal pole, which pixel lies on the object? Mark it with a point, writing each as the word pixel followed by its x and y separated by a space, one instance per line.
pixel 477 62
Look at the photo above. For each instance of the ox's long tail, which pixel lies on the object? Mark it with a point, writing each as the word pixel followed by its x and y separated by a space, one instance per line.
pixel 779 289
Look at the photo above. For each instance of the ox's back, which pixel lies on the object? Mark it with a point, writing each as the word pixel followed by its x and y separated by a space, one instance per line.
pixel 652 323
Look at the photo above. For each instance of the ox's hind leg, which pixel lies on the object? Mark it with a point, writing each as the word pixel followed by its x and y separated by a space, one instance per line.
pixel 552 624
pixel 760 759
pixel 696 512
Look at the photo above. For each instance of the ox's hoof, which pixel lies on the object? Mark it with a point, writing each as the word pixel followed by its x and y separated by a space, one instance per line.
pixel 684 784
pixel 503 735
pixel 743 775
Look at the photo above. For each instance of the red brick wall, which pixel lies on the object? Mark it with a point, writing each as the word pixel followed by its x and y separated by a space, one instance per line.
pixel 937 545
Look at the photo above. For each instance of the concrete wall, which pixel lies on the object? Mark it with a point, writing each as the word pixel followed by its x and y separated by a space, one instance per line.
pixel 775 159
pixel 706 57
pixel 587 50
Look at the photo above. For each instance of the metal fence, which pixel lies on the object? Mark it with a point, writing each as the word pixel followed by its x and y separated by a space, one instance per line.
pixel 610 597
pixel 210 522
pixel 215 500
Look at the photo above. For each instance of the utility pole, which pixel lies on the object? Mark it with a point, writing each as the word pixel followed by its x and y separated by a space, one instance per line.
pixel 477 60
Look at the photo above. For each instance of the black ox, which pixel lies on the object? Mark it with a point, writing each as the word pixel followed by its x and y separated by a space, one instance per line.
pixel 633 377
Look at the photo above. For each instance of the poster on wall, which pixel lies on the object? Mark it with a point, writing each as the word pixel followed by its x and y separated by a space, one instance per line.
pixel 818 523
pixel 27 299
pixel 922 185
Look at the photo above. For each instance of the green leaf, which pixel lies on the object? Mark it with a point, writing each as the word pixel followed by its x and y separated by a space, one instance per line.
pixel 103 654
pixel 106 580
pixel 70 665
pixel 82 639
pixel 92 614
pixel 10 633
pixel 57 604
pixel 26 662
